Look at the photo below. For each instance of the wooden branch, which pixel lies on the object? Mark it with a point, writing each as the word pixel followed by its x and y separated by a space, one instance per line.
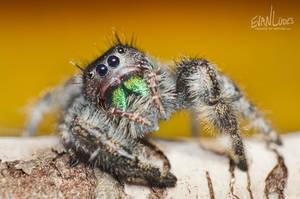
pixel 39 168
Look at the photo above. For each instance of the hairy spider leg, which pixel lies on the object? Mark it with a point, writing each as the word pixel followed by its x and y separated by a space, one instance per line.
pixel 158 152
pixel 130 116
pixel 151 80
pixel 59 97
pixel 200 90
pixel 107 154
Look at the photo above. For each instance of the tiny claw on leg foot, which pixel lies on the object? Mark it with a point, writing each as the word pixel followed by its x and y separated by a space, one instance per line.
pixel 274 137
pixel 242 165
pixel 167 179
pixel 170 180
pixel 277 140
pixel 73 162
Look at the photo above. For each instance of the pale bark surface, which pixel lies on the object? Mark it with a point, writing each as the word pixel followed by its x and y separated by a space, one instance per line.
pixel 38 168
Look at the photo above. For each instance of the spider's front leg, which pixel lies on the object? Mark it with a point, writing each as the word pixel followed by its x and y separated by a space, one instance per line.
pixel 199 91
pixel 89 144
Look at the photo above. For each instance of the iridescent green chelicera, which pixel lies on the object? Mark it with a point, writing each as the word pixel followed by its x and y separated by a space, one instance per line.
pixel 119 98
pixel 134 85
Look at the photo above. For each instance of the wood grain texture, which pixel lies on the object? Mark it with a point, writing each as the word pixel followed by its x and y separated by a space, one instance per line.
pixel 38 167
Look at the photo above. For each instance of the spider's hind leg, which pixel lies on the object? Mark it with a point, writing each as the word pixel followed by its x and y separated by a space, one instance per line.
pixel 256 120
pixel 58 97
pixel 247 110
pixel 199 91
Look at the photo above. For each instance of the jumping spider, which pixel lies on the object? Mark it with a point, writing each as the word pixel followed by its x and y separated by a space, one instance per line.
pixel 119 99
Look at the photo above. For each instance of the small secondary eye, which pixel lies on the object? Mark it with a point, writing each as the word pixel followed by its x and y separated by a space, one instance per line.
pixel 113 61
pixel 91 75
pixel 121 50
pixel 101 70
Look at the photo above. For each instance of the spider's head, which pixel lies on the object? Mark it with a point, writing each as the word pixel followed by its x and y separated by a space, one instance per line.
pixel 109 71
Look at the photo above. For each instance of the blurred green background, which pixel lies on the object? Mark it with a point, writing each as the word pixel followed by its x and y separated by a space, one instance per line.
pixel 39 38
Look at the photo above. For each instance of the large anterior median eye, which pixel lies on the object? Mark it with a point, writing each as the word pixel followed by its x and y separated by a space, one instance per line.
pixel 101 70
pixel 113 61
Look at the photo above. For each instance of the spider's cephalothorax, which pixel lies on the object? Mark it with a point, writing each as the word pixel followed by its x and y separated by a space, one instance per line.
pixel 127 84
pixel 112 77
pixel 119 99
